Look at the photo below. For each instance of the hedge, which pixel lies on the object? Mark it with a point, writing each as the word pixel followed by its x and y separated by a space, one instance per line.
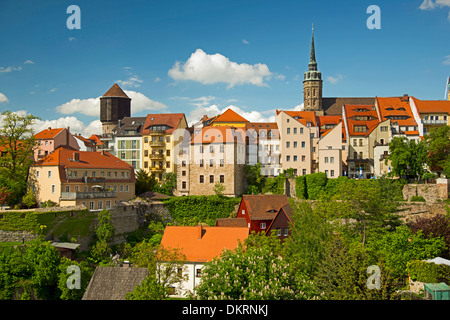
pixel 428 272
pixel 191 210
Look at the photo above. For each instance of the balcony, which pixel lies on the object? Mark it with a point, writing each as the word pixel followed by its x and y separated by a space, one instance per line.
pixel 156 156
pixel 157 169
pixel 93 179
pixel 156 143
pixel 157 132
pixel 87 195
pixel 441 122
pixel 107 137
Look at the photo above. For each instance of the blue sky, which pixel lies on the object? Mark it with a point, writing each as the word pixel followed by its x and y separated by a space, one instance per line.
pixel 199 57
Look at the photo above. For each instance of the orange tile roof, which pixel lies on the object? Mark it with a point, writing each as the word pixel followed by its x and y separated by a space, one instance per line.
pixel 432 106
pixel 264 206
pixel 115 91
pixel 303 117
pixel 219 134
pixel 87 159
pixel 353 111
pixel 229 116
pixel 202 244
pixel 169 119
pixel 393 106
pixel 48 133
pixel 96 139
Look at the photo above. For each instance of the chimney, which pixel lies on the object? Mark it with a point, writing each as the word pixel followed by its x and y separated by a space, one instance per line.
pixel 405 97
pixel 126 264
pixel 49 128
pixel 76 156
pixel 199 232
pixel 103 152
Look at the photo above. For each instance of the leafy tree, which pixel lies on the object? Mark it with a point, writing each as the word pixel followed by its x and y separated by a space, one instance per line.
pixel 253 270
pixel 29 199
pixel 17 144
pixel 86 274
pixel 438 144
pixel 103 235
pixel 401 246
pixel 144 182
pixel 310 235
pixel 168 184
pixel 218 189
pixel 408 157
pixel 163 265
pixel 436 226
pixel 342 275
pixel 255 181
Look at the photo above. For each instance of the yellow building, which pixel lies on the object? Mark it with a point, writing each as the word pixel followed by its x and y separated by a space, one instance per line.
pixel 161 133
pixel 97 180
pixel 432 113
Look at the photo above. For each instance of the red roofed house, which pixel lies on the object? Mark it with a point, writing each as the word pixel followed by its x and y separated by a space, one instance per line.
pixel 199 245
pixel 282 222
pixel 50 139
pixel 68 177
pixel 430 114
pixel 260 210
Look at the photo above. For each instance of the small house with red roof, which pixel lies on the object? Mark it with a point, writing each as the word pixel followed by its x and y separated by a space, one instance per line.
pixel 52 138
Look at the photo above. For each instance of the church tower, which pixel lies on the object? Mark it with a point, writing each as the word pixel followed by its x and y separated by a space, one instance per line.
pixel 114 106
pixel 312 84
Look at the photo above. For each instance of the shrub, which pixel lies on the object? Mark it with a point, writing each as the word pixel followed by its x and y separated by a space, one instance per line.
pixel 417 199
pixel 316 183
pixel 428 272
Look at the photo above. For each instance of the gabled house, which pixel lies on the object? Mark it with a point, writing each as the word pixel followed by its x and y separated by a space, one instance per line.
pixel 260 210
pixel 199 245
pixel 282 223
pixel 50 139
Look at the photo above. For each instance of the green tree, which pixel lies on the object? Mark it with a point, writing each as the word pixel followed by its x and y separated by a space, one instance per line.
pixel 29 199
pixel 401 246
pixel 103 235
pixel 255 181
pixel 342 275
pixel 253 270
pixel 165 266
pixel 145 182
pixel 408 157
pixel 17 143
pixel 218 189
pixel 310 235
pixel 438 144
pixel 85 276
pixel 168 183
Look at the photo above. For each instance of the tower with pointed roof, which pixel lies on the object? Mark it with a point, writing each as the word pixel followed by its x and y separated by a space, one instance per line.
pixel 114 106
pixel 312 84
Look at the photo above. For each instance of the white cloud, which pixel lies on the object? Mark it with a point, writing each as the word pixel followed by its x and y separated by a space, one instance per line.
pixel 157 79
pixel 245 41
pixel 202 101
pixel 336 79
pixel 29 62
pixel 91 106
pixel 10 69
pixel 133 82
pixel 430 5
pixel 53 90
pixel 209 69
pixel 71 38
pixel 447 58
pixel 75 125
pixel 3 98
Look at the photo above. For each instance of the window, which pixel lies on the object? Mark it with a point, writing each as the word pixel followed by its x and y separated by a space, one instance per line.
pixel 211 179
pixel 168 153
pixel 202 179
pixel 288 158
pixel 288 144
pixel 222 162
pixel 201 162
pixel 295 130
pixel 146 139
pixel 126 188
pixel 326 172
pixel 332 173
pixel 201 149
pixel 108 204
pixel 37 174
pixel 168 139
pixel 183 163
pixel 295 158
pixel 211 162
pixel 183 173
pixel 303 158
pixel 303 144
pixel 183 185
pixel 355 142
pixel 67 188
pixel 91 205
pixel 288 130
pixel 301 130
pixel 331 159
pixel 295 144
pixel 222 178
pixel 262 225
pixel 211 149
pixel 243 212
pixel 221 148
pixel 53 188
pixel 278 231
pixel 285 231
pixel 360 142
pixel 168 164
pixel 198 273
pixel 304 172
pixel 49 174
pixel 145 164
pixel 326 159
pixel 121 188
pixel 100 205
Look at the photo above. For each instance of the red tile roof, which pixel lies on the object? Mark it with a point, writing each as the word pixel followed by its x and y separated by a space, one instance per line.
pixel 229 116
pixel 432 106
pixel 202 244
pixel 303 117
pixel 169 119
pixel 354 111
pixel 396 106
pixel 115 91
pixel 87 159
pixel 264 207
pixel 48 133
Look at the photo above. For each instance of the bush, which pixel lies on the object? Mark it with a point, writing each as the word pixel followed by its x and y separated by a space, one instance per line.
pixel 191 210
pixel 417 199
pixel 316 183
pixel 428 272
pixel 301 190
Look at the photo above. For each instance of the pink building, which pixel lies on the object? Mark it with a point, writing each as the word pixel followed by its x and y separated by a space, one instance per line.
pixel 50 139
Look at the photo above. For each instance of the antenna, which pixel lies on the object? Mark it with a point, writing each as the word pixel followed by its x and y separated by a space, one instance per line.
pixel 447 88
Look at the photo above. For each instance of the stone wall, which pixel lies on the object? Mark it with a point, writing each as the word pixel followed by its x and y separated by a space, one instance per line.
pixel 430 192
pixel 16 236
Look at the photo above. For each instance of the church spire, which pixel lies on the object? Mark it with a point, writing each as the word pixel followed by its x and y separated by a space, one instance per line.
pixel 312 83
pixel 312 66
